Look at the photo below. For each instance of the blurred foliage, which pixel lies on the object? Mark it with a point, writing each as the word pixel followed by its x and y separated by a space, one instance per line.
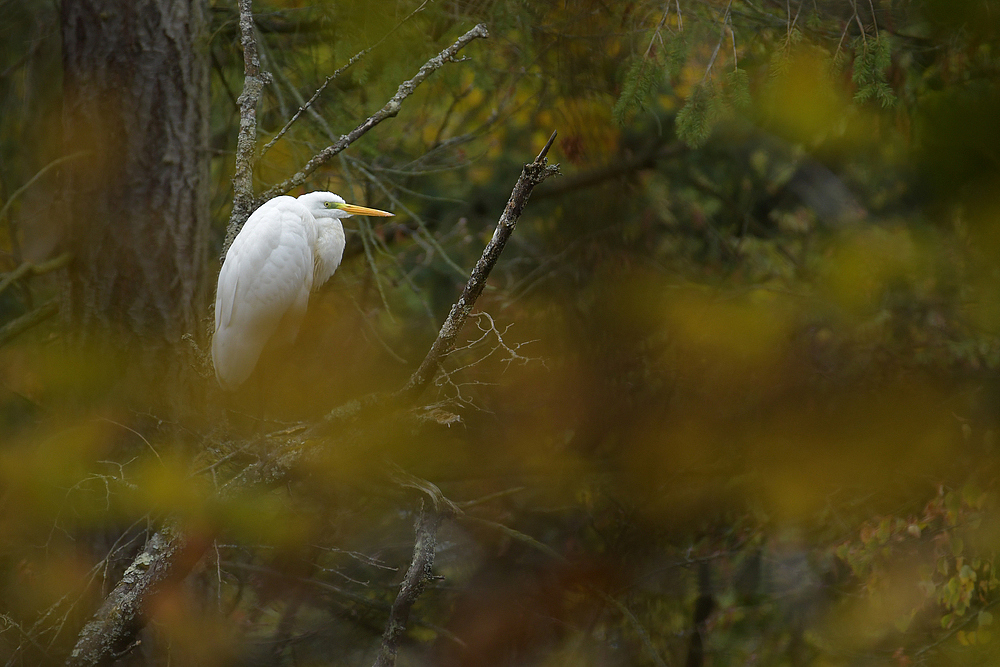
pixel 732 389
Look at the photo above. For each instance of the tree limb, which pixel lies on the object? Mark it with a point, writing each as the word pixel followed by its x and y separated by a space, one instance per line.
pixel 21 324
pixel 58 262
pixel 390 109
pixel 531 175
pixel 413 585
pixel 246 139
pixel 119 619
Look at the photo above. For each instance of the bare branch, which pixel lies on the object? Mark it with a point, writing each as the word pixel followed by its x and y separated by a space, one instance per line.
pixel 4 210
pixel 31 318
pixel 390 109
pixel 413 585
pixel 531 175
pixel 722 37
pixel 114 626
pixel 25 268
pixel 246 140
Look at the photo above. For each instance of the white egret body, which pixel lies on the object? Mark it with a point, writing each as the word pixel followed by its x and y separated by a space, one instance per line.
pixel 288 247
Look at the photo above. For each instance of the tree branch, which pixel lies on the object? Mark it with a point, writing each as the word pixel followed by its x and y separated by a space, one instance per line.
pixel 413 585
pixel 246 140
pixel 54 264
pixel 531 175
pixel 116 623
pixel 390 109
pixel 21 324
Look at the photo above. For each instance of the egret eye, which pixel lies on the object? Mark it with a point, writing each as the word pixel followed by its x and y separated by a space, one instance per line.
pixel 328 204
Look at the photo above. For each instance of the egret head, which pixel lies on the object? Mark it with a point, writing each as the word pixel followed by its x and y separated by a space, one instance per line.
pixel 328 205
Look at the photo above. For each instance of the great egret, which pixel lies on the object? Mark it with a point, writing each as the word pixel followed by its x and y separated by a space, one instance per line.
pixel 287 248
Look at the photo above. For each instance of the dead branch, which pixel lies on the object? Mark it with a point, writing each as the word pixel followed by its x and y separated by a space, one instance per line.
pixel 355 58
pixel 390 109
pixel 8 279
pixel 246 139
pixel 31 318
pixel 417 575
pixel 531 175
pixel 116 623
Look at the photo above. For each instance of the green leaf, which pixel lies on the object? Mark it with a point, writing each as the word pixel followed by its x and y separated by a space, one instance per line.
pixel 738 87
pixel 695 119
pixel 641 77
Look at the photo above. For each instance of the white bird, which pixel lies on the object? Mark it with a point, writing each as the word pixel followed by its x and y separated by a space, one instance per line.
pixel 288 247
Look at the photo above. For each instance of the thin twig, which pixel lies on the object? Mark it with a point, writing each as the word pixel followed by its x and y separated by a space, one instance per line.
pixel 874 18
pixel 722 36
pixel 21 324
pixel 15 243
pixel 355 58
pixel 390 109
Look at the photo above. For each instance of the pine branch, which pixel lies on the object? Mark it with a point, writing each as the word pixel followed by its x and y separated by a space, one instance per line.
pixel 390 109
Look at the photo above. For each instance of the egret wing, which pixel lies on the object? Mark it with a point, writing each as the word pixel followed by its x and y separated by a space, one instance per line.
pixel 267 269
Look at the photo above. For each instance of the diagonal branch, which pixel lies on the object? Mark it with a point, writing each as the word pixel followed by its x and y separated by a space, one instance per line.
pixel 355 58
pixel 390 109
pixel 531 175
pixel 115 625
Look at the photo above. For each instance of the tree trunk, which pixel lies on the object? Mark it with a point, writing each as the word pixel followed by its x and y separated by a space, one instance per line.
pixel 136 86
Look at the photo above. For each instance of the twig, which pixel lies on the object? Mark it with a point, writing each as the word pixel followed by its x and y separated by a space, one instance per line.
pixel 531 175
pixel 355 58
pixel 24 322
pixel 390 109
pixel 246 139
pixel 417 575
pixel 15 244
pixel 722 37
pixel 34 269
pixel 874 18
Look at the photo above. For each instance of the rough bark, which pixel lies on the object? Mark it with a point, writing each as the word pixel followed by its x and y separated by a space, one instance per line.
pixel 246 140
pixel 419 572
pixel 136 99
pixel 113 629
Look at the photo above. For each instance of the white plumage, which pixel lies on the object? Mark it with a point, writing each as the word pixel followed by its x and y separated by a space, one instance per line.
pixel 287 248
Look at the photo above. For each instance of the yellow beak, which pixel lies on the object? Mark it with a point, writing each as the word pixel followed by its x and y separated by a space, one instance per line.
pixel 354 209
